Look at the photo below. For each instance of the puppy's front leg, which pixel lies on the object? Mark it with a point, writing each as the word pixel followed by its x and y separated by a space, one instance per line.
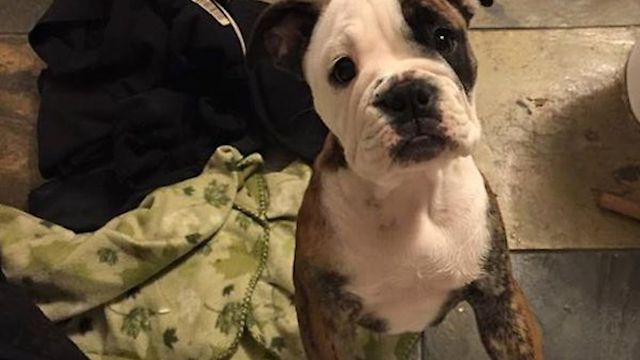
pixel 506 324
pixel 323 315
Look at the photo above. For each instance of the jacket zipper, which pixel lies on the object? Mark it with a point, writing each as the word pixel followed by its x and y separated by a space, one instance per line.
pixel 235 26
pixel 224 18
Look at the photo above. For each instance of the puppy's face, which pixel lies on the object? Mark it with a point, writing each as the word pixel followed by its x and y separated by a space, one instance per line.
pixel 392 79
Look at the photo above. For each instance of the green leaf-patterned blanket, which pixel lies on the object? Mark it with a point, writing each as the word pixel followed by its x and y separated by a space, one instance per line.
pixel 201 270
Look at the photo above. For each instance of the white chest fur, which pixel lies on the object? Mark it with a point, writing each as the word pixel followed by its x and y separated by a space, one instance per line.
pixel 405 247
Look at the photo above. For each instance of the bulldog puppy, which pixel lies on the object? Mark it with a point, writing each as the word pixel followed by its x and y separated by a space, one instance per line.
pixel 398 225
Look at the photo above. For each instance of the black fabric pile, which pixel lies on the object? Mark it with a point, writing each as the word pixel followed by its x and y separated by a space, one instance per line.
pixel 26 334
pixel 137 94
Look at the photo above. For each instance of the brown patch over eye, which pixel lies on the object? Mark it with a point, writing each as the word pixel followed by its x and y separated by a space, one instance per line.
pixel 444 40
pixel 439 28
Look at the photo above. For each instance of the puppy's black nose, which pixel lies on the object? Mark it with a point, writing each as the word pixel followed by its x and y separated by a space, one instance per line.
pixel 407 100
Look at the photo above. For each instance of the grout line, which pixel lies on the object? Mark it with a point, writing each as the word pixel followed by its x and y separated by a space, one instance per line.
pixel 13 33
pixel 576 250
pixel 585 27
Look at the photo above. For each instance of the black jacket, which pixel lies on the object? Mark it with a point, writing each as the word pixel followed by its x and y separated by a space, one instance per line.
pixel 139 93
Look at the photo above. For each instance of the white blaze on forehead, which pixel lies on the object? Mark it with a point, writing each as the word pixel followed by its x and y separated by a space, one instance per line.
pixel 355 27
pixel 373 34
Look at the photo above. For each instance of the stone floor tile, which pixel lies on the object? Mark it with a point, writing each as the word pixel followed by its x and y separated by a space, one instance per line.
pixel 19 16
pixel 558 13
pixel 19 69
pixel 18 161
pixel 556 130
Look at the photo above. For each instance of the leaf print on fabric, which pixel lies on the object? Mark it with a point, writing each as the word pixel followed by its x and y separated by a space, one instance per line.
pixel 229 317
pixel 142 271
pixel 136 321
pixel 227 290
pixel 251 322
pixel 216 351
pixel 243 221
pixel 206 249
pixel 237 264
pixel 189 190
pixel 108 256
pixel 216 194
pixel 278 312
pixel 278 343
pixel 169 337
pixel 258 248
pixel 193 238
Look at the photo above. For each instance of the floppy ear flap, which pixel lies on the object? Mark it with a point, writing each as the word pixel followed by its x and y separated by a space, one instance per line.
pixel 468 7
pixel 282 35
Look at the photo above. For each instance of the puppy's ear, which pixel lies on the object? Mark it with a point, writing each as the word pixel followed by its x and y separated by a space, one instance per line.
pixel 468 7
pixel 282 34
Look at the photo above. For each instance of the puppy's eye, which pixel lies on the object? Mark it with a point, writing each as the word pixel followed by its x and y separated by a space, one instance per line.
pixel 344 70
pixel 444 40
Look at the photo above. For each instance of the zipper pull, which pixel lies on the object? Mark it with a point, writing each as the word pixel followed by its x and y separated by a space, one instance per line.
pixel 213 8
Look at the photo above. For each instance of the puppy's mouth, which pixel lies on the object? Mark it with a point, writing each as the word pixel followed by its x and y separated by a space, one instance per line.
pixel 421 139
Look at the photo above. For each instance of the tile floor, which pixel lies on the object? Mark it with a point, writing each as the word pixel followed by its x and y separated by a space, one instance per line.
pixel 557 129
pixel 588 303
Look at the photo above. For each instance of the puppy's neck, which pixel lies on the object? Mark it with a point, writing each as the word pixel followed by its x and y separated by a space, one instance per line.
pixel 428 191
pixel 423 188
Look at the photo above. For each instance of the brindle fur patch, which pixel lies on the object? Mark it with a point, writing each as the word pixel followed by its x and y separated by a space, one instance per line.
pixel 506 324
pixel 374 323
pixel 332 284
